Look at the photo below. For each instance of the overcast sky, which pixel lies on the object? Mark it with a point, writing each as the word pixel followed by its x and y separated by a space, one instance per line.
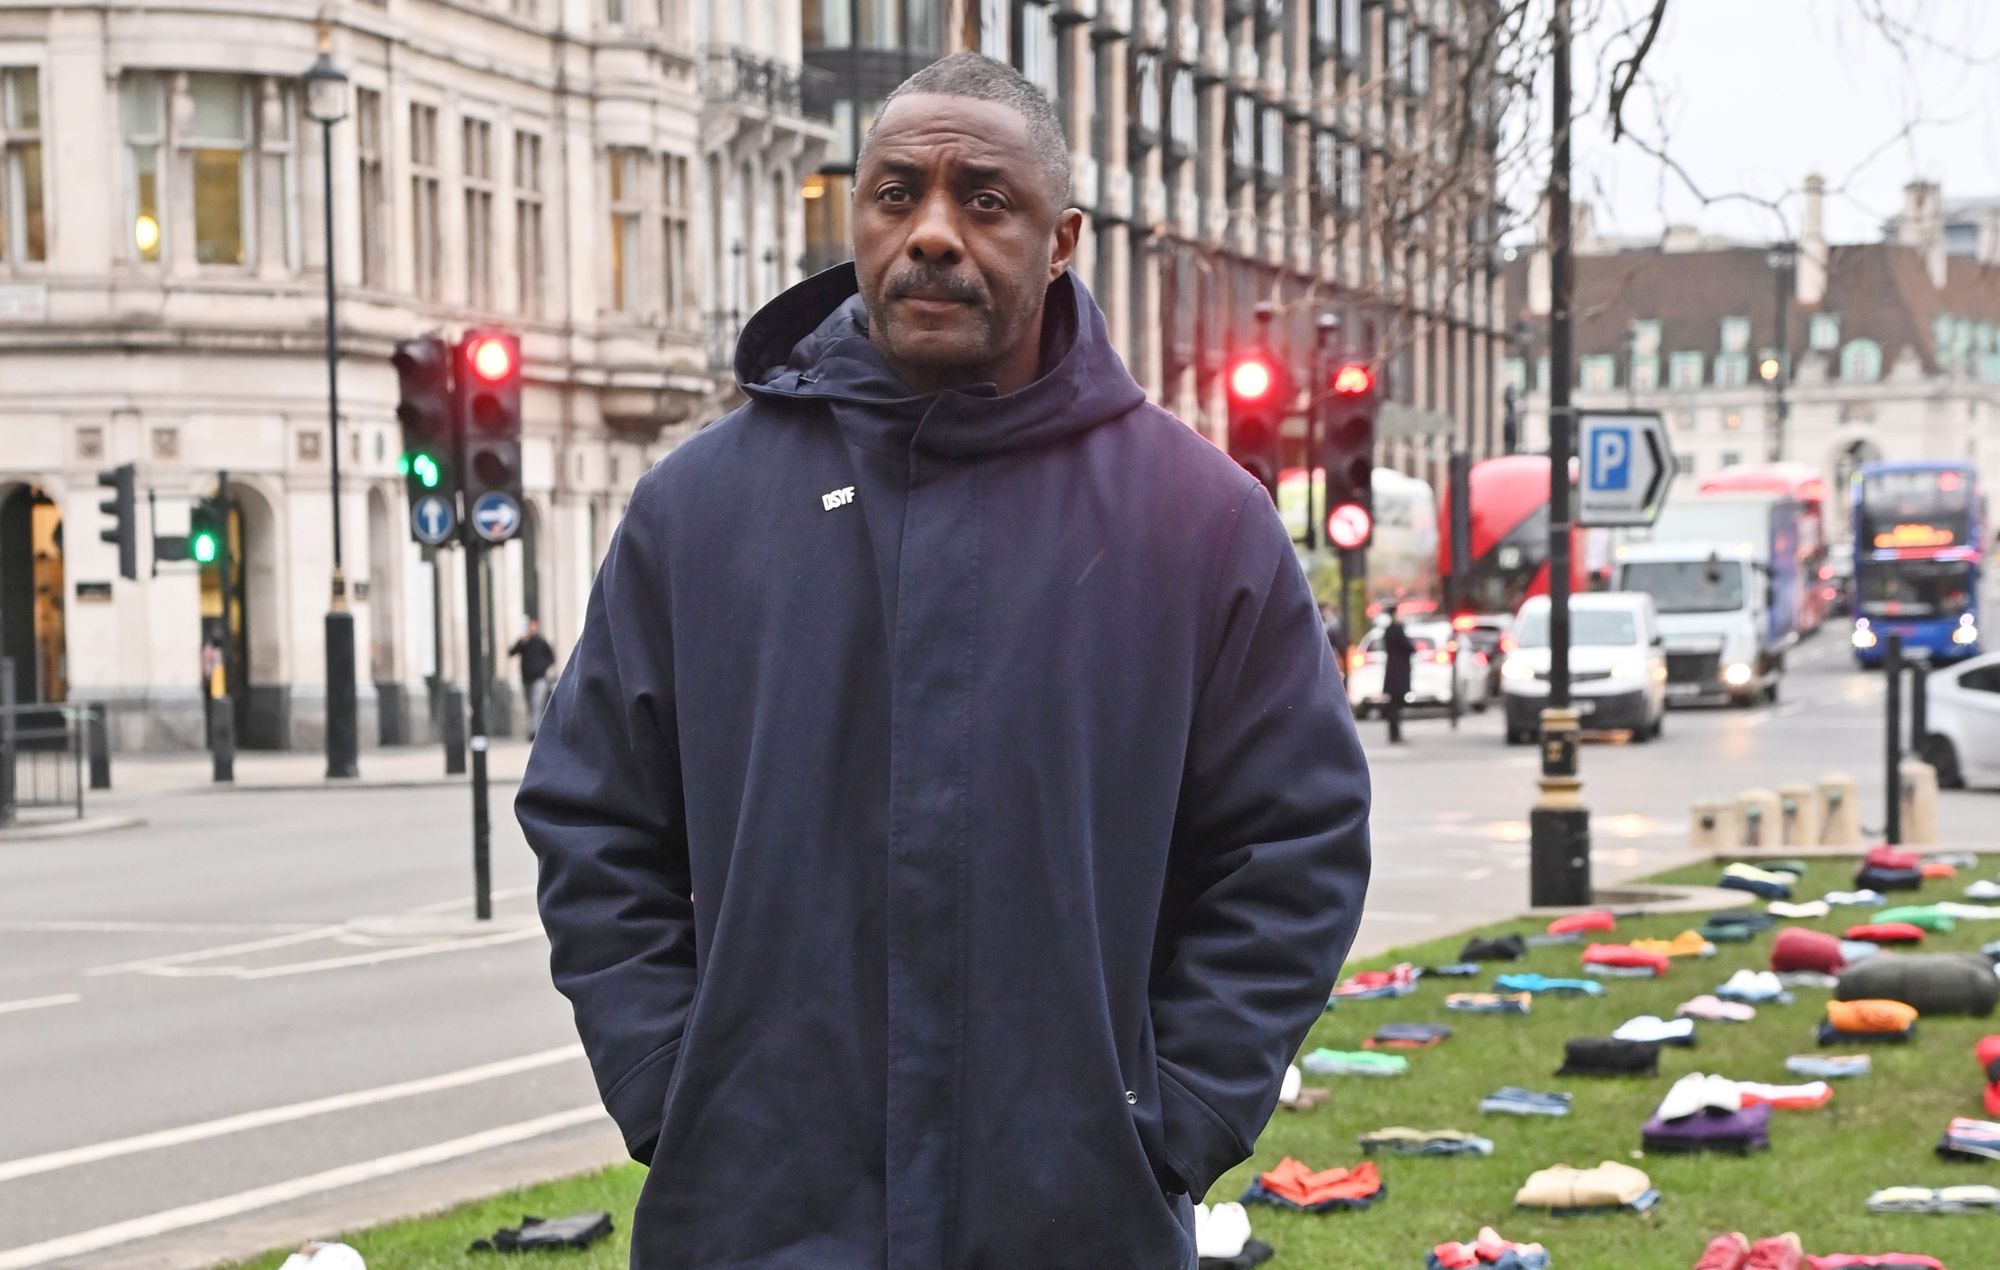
pixel 1754 94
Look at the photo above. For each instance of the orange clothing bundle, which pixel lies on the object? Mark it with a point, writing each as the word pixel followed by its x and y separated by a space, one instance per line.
pixel 1295 1182
pixel 1862 1017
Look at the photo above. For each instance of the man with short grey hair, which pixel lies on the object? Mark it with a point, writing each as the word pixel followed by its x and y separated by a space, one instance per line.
pixel 950 821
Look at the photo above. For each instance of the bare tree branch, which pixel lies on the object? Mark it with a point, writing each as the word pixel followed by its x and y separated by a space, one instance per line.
pixel 1626 73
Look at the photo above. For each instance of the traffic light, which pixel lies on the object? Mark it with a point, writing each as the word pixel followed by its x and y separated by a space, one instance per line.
pixel 207 522
pixel 123 509
pixel 1347 453
pixel 489 394
pixel 1257 393
pixel 423 369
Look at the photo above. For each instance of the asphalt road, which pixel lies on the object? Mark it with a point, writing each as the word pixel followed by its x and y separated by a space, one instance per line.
pixel 263 1016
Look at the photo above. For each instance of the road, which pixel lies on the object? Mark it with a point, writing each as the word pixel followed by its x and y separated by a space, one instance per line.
pixel 263 1015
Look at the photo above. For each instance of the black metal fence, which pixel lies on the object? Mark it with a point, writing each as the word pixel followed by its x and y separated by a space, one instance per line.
pixel 43 759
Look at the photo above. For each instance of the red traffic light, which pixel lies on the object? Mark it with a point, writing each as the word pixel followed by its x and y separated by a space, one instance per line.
pixel 1353 380
pixel 492 360
pixel 1348 526
pixel 1251 379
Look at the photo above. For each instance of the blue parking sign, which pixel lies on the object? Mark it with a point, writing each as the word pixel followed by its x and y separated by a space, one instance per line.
pixel 1610 458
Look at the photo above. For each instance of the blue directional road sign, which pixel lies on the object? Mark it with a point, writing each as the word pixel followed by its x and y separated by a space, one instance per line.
pixel 496 516
pixel 432 520
pixel 1627 467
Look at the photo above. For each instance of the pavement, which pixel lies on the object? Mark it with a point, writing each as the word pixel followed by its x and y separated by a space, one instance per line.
pixel 266 1015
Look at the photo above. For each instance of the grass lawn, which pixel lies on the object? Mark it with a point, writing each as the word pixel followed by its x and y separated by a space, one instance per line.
pixel 1880 1129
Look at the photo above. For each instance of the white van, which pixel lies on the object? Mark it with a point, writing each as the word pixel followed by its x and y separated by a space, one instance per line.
pixel 1617 665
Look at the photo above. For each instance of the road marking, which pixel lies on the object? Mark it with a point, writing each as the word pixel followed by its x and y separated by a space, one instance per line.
pixel 248 1120
pixel 173 1219
pixel 146 964
pixel 38 1003
pixel 149 928
pixel 289 968
pixel 1479 875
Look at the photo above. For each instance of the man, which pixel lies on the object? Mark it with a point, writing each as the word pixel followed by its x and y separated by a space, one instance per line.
pixel 1398 655
pixel 1336 635
pixel 537 659
pixel 949 820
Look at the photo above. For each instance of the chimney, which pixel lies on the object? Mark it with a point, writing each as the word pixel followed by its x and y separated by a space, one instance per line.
pixel 1541 284
pixel 1680 238
pixel 1921 226
pixel 1583 230
pixel 1810 267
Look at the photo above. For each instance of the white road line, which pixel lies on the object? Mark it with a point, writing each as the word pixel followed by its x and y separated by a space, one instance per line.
pixel 248 1120
pixel 287 969
pixel 445 906
pixel 1479 875
pixel 143 964
pixel 149 928
pixel 172 1219
pixel 38 1003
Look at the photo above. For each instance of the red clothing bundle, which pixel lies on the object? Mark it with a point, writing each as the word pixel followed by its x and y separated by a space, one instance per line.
pixel 1988 1054
pixel 1624 955
pixel 1294 1181
pixel 1888 933
pixel 1578 923
pixel 1797 948
pixel 1884 856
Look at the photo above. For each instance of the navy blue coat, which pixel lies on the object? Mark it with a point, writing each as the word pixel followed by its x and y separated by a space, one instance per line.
pixel 950 821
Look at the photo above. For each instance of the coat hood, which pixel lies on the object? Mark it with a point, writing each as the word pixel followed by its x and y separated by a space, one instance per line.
pixel 811 343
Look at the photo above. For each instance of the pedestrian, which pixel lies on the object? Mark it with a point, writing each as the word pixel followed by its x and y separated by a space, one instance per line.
pixel 537 659
pixel 1336 635
pixel 950 821
pixel 1397 655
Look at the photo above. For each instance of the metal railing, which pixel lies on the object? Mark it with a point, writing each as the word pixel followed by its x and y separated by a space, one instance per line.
pixel 43 763
pixel 723 326
pixel 734 74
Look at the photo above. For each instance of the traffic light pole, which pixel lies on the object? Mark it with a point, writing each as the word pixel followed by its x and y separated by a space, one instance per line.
pixel 1559 824
pixel 475 673
pixel 342 726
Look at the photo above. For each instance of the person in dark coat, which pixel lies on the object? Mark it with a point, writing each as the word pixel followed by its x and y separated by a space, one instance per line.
pixel 537 659
pixel 949 820
pixel 1397 654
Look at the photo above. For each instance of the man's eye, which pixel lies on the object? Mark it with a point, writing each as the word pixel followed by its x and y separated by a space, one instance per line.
pixel 892 194
pixel 989 202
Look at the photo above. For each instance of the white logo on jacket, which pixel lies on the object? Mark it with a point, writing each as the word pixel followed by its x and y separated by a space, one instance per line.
pixel 836 498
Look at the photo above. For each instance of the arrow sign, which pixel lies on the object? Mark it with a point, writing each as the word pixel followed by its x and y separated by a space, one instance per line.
pixel 1627 466
pixel 432 520
pixel 496 516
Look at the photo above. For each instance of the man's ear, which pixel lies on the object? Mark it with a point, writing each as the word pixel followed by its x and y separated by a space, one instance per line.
pixel 1069 224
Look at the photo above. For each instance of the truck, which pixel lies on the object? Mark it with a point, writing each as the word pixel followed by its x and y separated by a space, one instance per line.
pixel 1723 570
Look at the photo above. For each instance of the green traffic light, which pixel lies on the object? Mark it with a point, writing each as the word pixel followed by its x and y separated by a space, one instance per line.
pixel 426 469
pixel 202 547
pixel 402 465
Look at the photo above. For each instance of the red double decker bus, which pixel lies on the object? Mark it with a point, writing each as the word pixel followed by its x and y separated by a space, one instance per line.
pixel 1510 540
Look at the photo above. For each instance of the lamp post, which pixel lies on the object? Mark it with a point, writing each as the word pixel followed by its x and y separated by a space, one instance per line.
pixel 326 93
pixel 1776 369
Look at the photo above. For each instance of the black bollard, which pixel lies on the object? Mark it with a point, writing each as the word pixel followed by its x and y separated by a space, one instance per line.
pixel 222 738
pixel 1920 713
pixel 1892 669
pixel 97 737
pixel 452 727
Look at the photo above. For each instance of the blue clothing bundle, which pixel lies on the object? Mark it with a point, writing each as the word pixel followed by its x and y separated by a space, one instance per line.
pixel 1832 1067
pixel 1488 1003
pixel 861 672
pixel 1532 983
pixel 1969 1139
pixel 1511 1100
pixel 1402 1141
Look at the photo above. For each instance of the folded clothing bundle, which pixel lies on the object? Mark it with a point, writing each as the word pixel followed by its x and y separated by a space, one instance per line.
pixel 1798 912
pixel 1886 1260
pixel 1625 957
pixel 1651 1027
pixel 1769 884
pixel 1402 1140
pixel 1968 1139
pixel 1937 870
pixel 1829 1066
pixel 1488 1251
pixel 1537 983
pixel 1983 889
pixel 1755 986
pixel 1741 1131
pixel 1610 1185
pixel 1456 970
pixel 1710 1007
pixel 1748 918
pixel 1932 983
pixel 1806 1097
pixel 1407 1036
pixel 1855 899
pixel 1942 1199
pixel 1869 1021
pixel 1489 1002
pixel 1875 877
pixel 1688 943
pixel 1886 933
pixel 1609 1056
pixel 1884 856
pixel 1578 923
pixel 1497 948
pixel 1807 979
pixel 1797 948
pixel 1935 918
pixel 1987 1051
pixel 1399 980
pixel 1511 1100
pixel 1326 1062
pixel 1221 1232
pixel 1293 1184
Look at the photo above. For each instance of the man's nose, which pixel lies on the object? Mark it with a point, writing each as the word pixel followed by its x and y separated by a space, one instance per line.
pixel 934 238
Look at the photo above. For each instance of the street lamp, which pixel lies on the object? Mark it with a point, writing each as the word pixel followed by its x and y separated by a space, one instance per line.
pixel 326 91
pixel 1782 258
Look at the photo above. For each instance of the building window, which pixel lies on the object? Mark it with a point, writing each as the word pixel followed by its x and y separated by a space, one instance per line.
pixel 1599 373
pixel 1685 371
pixel 217 145
pixel 1861 362
pixel 1350 32
pixel 626 210
pixel 1732 370
pixel 1397 48
pixel 1730 458
pixel 1646 337
pixel 1684 464
pixel 529 257
pixel 995 29
pixel 1420 62
pixel 23 231
pixel 477 135
pixel 1146 92
pixel 371 188
pixel 1514 373
pixel 1644 372
pixel 1823 333
pixel 1182 119
pixel 1350 177
pixel 675 201
pixel 1038 48
pixel 1243 132
pixel 827 24
pixel 614 12
pixel 1325 26
pixel 1326 168
pixel 1735 334
pixel 1271 147
pixel 425 181
pixel 142 101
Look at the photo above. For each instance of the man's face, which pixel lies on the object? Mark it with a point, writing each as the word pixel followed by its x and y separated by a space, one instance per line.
pixel 956 239
pixel 534 628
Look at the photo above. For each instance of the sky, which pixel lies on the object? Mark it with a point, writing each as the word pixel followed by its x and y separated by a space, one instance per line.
pixel 1751 95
